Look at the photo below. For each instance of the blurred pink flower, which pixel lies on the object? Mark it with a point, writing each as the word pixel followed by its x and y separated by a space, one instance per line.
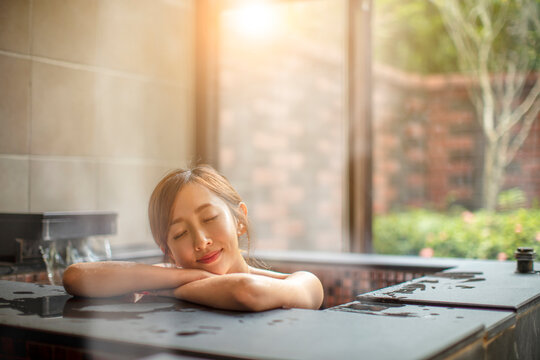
pixel 502 256
pixel 427 252
pixel 468 217
pixel 518 228
pixel 538 236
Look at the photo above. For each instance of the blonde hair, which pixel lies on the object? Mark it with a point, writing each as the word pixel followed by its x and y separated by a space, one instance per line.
pixel 162 199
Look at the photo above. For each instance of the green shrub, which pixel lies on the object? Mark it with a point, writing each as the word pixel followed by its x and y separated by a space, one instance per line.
pixel 511 199
pixel 480 235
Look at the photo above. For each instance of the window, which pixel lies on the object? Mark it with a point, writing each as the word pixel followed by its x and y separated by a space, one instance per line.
pixel 282 119
pixel 319 134
pixel 456 134
pixel 274 96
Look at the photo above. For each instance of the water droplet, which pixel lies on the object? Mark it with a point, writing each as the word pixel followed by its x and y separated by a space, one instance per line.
pixel 190 333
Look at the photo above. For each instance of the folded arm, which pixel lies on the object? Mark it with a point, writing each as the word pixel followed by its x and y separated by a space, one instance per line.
pixel 255 292
pixel 113 278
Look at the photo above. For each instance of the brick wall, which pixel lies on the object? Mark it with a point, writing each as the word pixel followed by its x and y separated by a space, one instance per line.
pixel 282 110
pixel 428 144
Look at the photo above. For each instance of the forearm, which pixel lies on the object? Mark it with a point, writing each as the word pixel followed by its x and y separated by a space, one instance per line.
pixel 254 292
pixel 231 292
pixel 113 278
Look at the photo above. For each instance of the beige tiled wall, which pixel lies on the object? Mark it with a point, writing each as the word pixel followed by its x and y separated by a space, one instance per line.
pixel 14 105
pixel 14 177
pixel 14 25
pixel 63 111
pixel 95 105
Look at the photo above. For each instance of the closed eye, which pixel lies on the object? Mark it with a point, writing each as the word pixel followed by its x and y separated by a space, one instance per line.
pixel 178 236
pixel 210 219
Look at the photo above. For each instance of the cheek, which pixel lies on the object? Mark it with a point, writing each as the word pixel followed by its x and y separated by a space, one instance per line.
pixel 221 230
pixel 180 251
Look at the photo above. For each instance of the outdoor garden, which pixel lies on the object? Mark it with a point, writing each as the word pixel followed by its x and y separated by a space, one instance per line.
pixel 457 138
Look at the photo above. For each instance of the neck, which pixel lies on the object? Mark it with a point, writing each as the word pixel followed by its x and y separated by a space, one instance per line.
pixel 240 265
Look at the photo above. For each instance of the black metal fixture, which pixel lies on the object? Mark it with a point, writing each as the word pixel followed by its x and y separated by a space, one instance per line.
pixel 525 259
pixel 22 233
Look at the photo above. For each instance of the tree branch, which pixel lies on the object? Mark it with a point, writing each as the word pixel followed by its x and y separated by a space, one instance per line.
pixel 530 117
pixel 522 109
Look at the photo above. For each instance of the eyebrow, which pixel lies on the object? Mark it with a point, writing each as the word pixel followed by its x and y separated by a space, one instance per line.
pixel 199 209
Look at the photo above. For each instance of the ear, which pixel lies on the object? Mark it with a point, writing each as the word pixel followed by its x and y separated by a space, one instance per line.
pixel 243 208
pixel 242 227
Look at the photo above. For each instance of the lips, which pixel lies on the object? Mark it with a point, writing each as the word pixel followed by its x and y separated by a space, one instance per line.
pixel 210 257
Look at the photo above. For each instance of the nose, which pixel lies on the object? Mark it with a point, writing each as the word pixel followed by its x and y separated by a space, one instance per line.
pixel 201 241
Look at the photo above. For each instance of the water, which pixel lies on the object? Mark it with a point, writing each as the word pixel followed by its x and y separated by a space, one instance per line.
pixel 59 254
pixel 43 306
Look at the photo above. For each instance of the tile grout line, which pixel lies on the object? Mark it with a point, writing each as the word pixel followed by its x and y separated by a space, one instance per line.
pixel 95 69
pixel 97 123
pixel 97 171
pixel 95 159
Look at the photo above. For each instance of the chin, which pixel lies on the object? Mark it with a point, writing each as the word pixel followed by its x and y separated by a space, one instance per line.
pixel 217 270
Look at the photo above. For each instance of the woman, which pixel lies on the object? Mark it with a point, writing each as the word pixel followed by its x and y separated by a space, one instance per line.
pixel 196 218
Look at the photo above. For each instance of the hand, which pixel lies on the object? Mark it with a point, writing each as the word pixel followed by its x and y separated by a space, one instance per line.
pixel 193 276
pixel 190 275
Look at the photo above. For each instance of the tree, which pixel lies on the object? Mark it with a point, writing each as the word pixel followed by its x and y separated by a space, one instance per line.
pixel 498 44
pixel 410 35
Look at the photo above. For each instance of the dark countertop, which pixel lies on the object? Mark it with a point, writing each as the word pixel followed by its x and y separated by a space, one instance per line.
pixel 371 327
pixel 416 331
pixel 480 284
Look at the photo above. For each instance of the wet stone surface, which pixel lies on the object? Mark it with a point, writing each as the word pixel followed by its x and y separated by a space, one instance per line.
pixel 422 317
pixel 278 334
pixel 408 289
pixel 478 284
pixel 398 310
pixel 456 275
pixel 43 306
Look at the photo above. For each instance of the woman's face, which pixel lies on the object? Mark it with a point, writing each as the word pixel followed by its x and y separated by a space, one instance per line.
pixel 203 233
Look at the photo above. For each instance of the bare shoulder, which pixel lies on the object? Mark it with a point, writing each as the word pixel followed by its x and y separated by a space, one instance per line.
pixel 297 275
